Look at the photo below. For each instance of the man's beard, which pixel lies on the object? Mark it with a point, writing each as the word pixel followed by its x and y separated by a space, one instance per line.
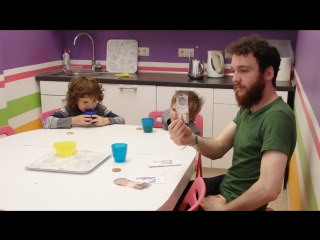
pixel 253 95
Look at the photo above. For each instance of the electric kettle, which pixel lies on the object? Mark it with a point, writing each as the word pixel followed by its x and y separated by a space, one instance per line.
pixel 196 68
pixel 215 64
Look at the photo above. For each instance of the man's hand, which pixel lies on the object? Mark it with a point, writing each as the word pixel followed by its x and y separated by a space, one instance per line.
pixel 213 203
pixel 180 134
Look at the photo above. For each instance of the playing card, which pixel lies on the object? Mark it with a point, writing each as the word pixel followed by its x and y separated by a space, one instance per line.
pixel 150 178
pixel 182 109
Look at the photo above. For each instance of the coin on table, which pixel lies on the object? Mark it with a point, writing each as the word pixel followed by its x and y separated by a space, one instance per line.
pixel 139 128
pixel 116 169
pixel 69 133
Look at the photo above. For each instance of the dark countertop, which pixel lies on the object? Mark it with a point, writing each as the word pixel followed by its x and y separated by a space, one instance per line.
pixel 157 79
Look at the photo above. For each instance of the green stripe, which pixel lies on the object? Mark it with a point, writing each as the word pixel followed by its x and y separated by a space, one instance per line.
pixel 311 196
pixel 3 117
pixel 24 104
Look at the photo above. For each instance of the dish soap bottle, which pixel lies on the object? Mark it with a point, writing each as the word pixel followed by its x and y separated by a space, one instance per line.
pixel 66 59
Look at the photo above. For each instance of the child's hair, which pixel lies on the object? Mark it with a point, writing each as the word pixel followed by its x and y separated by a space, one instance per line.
pixel 194 101
pixel 81 87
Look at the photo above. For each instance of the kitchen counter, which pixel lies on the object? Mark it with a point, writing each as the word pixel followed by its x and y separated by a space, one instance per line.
pixel 157 79
pixel 162 79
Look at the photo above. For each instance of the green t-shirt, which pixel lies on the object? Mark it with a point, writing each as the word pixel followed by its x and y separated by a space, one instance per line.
pixel 271 128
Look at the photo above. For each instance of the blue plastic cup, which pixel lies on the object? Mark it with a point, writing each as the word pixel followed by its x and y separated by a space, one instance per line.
pixel 90 112
pixel 119 152
pixel 147 124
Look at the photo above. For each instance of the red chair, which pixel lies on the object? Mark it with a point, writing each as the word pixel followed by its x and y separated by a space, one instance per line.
pixel 194 196
pixel 156 114
pixel 7 130
pixel 46 114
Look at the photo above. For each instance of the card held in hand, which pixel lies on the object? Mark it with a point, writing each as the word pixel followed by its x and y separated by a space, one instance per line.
pixel 182 109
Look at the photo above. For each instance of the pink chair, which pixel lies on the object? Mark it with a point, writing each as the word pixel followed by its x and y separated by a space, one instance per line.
pixel 194 196
pixel 198 163
pixel 46 114
pixel 156 114
pixel 7 130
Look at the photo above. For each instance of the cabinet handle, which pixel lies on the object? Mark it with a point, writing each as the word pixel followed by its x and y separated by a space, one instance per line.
pixel 134 88
pixel 188 89
pixel 63 99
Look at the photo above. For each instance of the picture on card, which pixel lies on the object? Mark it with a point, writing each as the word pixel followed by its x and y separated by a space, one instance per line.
pixel 150 178
pixel 163 162
pixel 182 109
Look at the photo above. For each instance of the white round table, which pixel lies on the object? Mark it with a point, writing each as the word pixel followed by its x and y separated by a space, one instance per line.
pixel 23 189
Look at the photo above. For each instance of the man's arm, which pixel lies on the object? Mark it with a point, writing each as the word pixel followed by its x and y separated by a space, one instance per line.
pixel 215 148
pixel 265 190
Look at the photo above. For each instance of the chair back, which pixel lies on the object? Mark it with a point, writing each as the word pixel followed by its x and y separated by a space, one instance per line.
pixel 46 114
pixel 7 130
pixel 199 123
pixel 156 115
pixel 194 196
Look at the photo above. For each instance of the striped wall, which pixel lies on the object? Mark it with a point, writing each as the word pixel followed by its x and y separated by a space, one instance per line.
pixel 304 173
pixel 20 101
pixel 20 96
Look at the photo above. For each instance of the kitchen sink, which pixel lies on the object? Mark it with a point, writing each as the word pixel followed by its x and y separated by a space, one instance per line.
pixel 103 74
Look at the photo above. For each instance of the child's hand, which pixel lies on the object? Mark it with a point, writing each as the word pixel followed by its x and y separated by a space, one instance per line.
pixel 100 121
pixel 83 120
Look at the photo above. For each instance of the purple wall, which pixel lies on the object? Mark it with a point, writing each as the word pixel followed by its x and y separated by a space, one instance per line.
pixel 307 65
pixel 164 44
pixel 1 54
pixel 28 47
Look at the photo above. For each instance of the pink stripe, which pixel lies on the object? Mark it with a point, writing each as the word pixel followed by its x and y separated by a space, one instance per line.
pixel 312 129
pixel 19 76
pixel 2 84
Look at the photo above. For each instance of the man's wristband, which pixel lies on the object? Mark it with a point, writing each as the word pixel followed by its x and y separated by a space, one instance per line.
pixel 195 140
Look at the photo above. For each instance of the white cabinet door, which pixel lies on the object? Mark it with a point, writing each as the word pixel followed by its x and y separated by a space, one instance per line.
pixel 224 111
pixel 49 102
pixel 284 95
pixel 132 102
pixel 164 95
pixel 223 114
pixel 53 94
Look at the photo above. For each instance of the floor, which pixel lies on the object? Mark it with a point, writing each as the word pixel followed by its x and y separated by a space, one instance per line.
pixel 280 204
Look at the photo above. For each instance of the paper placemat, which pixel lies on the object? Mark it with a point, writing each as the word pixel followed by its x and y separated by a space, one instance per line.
pixel 81 162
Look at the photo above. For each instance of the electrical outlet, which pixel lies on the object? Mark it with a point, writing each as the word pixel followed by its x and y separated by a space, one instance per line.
pixel 227 55
pixel 143 51
pixel 184 52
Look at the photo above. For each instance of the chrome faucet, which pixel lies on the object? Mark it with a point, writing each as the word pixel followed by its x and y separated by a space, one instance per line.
pixel 94 64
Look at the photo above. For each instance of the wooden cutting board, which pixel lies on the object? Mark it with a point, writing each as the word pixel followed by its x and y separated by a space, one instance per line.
pixel 122 56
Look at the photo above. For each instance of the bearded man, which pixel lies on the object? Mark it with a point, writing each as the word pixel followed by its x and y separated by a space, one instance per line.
pixel 262 134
